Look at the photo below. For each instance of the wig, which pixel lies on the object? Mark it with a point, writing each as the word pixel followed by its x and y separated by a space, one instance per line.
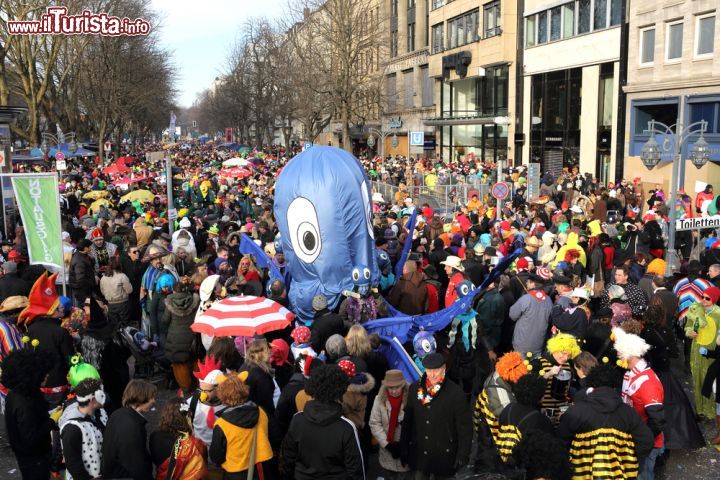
pixel 25 369
pixel 542 455
pixel 529 390
pixel 511 367
pixel 564 342
pixel 604 375
pixel 628 345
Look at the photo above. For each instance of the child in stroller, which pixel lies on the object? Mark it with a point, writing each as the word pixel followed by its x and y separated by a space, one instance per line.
pixel 147 354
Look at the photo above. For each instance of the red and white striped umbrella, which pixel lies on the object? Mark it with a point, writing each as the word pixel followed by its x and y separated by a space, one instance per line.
pixel 243 316
pixel 235 172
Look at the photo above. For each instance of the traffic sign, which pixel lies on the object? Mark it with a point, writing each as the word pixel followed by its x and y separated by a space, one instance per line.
pixel 307 145
pixel 417 139
pixel 59 156
pixel 108 146
pixel 60 165
pixel 500 191
pixel 172 213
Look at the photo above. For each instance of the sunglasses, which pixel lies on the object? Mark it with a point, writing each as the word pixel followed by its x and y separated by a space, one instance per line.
pixel 134 252
pixel 708 299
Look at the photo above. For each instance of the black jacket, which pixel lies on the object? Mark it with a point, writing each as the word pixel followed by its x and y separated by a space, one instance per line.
pixel 322 445
pixel 28 426
pixel 11 284
pixel 262 388
pixel 55 340
pixel 286 406
pixel 82 272
pixel 436 437
pixel 323 327
pixel 573 320
pixel 601 420
pixel 125 454
pixel 180 308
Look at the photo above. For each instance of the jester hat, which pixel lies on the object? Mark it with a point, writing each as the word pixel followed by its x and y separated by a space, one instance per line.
pixel 43 299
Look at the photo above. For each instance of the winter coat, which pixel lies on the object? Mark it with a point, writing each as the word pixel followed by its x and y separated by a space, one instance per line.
pixel 436 437
pixel 531 314
pixel 286 406
pixel 82 273
pixel 124 452
pixel 572 320
pixel 117 288
pixel 262 387
pixel 597 422
pixel 410 295
pixel 355 399
pixel 180 308
pixel 143 232
pixel 517 420
pixel 55 340
pixel 380 423
pixel 322 445
pixel 323 327
pixel 233 436
pixel 490 309
pixel 11 285
pixel 28 426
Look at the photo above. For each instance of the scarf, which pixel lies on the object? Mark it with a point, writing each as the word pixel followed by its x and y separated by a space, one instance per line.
pixel 395 403
pixel 427 393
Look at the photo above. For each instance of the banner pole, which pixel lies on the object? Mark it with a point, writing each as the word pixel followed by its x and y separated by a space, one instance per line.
pixel 62 248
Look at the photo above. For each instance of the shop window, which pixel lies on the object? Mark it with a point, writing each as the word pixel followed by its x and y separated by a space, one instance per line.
pixel 661 112
pixel 707 111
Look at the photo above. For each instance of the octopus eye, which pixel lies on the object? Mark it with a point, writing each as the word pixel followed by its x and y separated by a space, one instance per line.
pixel 366 273
pixel 304 229
pixel 355 274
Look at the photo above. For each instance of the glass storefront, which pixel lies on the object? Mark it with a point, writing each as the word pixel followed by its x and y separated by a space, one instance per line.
pixel 482 97
pixel 555 119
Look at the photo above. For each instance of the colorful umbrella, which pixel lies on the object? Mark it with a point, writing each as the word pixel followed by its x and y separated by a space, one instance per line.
pixel 95 206
pixel 235 172
pixel 126 160
pixel 116 168
pixel 243 316
pixel 142 196
pixel 96 195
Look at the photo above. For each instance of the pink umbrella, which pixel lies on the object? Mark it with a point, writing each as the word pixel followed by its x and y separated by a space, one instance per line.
pixel 235 172
pixel 244 316
pixel 116 168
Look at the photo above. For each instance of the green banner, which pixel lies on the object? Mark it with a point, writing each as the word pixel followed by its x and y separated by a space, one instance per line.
pixel 37 199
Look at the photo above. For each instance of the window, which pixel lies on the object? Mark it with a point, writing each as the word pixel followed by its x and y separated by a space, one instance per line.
pixel 647 46
pixel 705 35
pixel 542 28
pixel 568 20
pixel 605 97
pixel 584 16
pixel 555 23
pixel 393 8
pixel 437 4
pixel 530 30
pixel 411 37
pixel 707 111
pixel 600 14
pixel 464 96
pixel 463 29
pixel 408 89
pixel 673 41
pixel 426 83
pixel 616 12
pixel 662 112
pixel 393 44
pixel 411 4
pixel 390 90
pixel 437 38
pixel 492 19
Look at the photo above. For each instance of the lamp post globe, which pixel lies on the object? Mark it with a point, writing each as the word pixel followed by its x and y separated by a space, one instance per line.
pixel 371 141
pixel 395 142
pixel 651 153
pixel 700 153
pixel 73 146
pixel 44 147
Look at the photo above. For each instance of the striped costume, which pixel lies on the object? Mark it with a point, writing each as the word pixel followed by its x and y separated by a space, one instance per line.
pixel 689 292
pixel 553 404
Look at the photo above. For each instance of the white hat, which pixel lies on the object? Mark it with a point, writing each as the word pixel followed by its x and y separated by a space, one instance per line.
pixel 576 209
pixel 65 235
pixel 208 286
pixel 212 377
pixel 580 293
pixel 378 198
pixel 629 345
pixel 408 200
pixel 454 262
pixel 185 223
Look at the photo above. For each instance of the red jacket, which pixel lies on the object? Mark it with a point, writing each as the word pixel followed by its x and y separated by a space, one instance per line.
pixel 451 295
pixel 433 298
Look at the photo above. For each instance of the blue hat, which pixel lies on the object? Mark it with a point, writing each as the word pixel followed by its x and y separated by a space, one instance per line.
pixel 165 281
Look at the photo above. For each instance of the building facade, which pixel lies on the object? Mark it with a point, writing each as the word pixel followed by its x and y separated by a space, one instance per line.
pixel 472 56
pixel 408 85
pixel 571 84
pixel 673 78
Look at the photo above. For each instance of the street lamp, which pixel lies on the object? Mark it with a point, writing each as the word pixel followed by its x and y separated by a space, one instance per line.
pixel 651 155
pixel 49 138
pixel 381 135
pixel 371 141
pixel 395 142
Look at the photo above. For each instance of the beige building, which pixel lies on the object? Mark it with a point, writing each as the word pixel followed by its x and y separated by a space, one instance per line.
pixel 673 77
pixel 408 85
pixel 472 52
pixel 571 85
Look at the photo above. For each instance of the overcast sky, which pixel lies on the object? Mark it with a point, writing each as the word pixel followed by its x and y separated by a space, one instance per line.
pixel 200 33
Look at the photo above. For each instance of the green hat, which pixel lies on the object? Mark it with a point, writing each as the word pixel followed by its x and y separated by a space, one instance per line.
pixel 563 227
pixel 80 371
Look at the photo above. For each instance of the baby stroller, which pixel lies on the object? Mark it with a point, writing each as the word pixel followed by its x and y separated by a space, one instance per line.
pixel 149 356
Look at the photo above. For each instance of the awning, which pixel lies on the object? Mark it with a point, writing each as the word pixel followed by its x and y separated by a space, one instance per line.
pixel 450 121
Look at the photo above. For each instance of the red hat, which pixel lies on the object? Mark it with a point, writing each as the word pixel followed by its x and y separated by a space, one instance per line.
pixel 713 293
pixel 43 299
pixel 348 367
pixel 636 180
pixel 14 256
pixel 522 264
pixel 301 335
pixel 97 233
pixel 279 353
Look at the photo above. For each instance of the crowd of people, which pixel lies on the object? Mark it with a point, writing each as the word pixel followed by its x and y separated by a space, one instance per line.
pixel 561 368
